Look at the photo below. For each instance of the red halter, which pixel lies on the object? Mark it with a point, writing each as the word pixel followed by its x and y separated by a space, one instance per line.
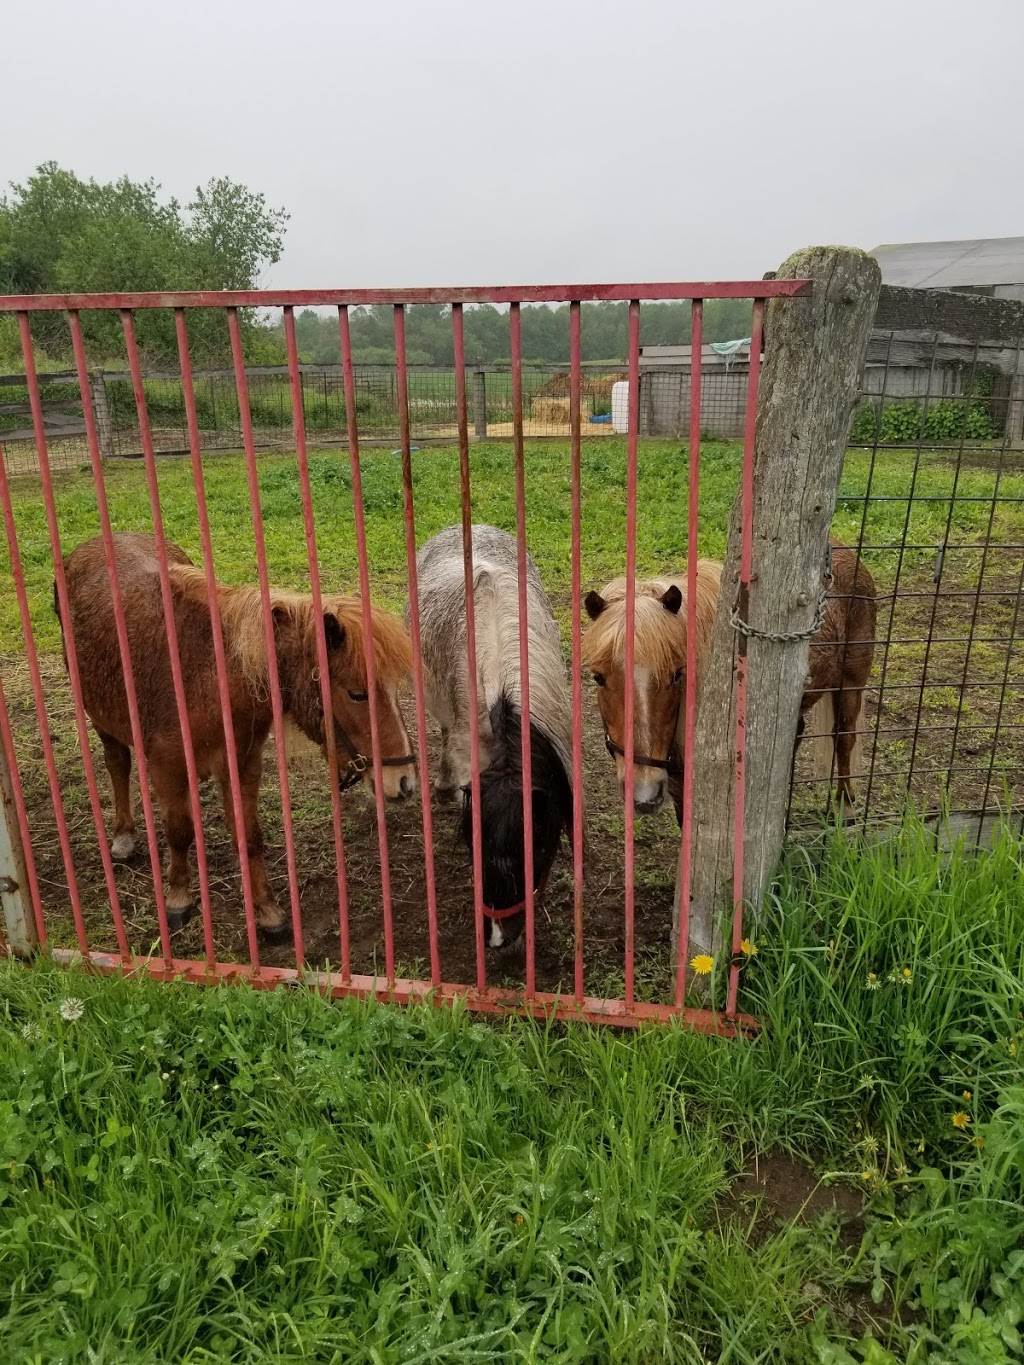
pixel 520 906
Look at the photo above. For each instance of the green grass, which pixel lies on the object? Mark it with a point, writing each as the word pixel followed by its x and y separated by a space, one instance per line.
pixel 223 1175
pixel 661 535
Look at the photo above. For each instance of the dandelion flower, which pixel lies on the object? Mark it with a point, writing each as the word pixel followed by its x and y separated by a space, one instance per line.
pixel 873 983
pixel 967 1095
pixel 870 1144
pixel 747 948
pixel 866 1175
pixel 519 1220
pixel 702 964
pixel 978 1141
pixel 430 1146
pixel 906 976
pixel 30 1032
pixel 960 1119
pixel 71 1009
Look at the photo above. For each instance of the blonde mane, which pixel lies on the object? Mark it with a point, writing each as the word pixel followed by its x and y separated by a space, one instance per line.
pixel 241 611
pixel 659 635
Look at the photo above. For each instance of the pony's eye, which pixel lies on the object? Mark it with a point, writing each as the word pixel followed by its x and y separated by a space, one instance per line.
pixel 599 679
pixel 677 676
pixel 359 696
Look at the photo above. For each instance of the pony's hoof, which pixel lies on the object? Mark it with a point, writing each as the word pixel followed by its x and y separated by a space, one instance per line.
pixel 276 933
pixel 123 848
pixel 179 916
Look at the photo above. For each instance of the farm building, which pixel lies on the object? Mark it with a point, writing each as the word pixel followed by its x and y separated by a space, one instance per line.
pixel 920 368
pixel 992 266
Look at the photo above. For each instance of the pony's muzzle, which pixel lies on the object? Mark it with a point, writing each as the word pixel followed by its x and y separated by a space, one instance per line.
pixel 399 781
pixel 649 791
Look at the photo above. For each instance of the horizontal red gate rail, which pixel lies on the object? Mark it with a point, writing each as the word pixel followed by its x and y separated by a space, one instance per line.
pixel 575 1002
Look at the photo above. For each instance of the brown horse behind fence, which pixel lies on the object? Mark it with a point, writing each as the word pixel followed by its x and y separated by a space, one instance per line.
pixel 838 668
pixel 241 611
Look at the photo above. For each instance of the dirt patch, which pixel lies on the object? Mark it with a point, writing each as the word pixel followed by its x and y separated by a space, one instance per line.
pixel 781 1189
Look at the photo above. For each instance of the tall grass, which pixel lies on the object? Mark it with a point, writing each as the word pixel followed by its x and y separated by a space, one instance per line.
pixel 200 1175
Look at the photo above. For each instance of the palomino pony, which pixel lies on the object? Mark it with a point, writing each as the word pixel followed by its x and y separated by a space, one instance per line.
pixel 659 633
pixel 839 665
pixel 241 610
pixel 442 603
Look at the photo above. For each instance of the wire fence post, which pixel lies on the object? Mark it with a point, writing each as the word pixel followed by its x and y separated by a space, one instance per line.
pixel 810 383
pixel 18 925
pixel 101 410
pixel 479 404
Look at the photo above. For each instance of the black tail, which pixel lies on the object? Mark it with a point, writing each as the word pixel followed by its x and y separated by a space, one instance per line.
pixel 56 612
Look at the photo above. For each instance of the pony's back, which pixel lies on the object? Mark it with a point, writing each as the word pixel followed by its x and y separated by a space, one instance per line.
pixel 442 601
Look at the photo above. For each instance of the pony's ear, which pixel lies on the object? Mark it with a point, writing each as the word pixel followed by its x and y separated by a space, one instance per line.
pixel 595 604
pixel 672 599
pixel 333 630
pixel 280 618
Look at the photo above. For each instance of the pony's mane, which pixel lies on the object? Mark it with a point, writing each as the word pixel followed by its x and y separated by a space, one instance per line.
pixel 241 611
pixel 659 635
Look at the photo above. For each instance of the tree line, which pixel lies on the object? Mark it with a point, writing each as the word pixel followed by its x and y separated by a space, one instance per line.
pixel 62 234
pixel 545 332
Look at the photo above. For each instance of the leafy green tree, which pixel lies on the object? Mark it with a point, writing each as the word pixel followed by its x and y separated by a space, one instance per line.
pixel 62 234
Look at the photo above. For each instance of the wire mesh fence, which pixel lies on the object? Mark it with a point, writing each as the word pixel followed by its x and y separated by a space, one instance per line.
pixel 932 499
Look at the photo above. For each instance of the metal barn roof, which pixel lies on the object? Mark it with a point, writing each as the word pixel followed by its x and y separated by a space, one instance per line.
pixel 948 265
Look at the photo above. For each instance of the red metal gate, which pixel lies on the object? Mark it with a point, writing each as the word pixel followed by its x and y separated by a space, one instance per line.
pixel 478 995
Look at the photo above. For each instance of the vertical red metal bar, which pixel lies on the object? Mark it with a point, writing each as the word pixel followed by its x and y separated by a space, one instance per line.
pixel 402 378
pixel 515 337
pixel 21 813
pixel 31 653
pixel 121 628
pixel 575 420
pixel 633 430
pixel 746 556
pixel 217 632
pixel 302 461
pixel 70 651
pixel 458 342
pixel 693 457
pixel 352 423
pixel 255 507
pixel 174 654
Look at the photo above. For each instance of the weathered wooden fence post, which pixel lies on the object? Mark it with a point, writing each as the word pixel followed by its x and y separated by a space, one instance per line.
pixel 101 411
pixel 809 384
pixel 479 404
pixel 19 927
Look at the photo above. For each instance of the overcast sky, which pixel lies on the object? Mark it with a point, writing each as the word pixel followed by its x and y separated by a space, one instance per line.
pixel 526 142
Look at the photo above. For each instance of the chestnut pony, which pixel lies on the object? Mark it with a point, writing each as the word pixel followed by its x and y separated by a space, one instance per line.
pixel 241 610
pixel 839 665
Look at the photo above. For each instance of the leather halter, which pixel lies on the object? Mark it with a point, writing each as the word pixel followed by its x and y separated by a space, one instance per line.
pixel 520 906
pixel 358 763
pixel 669 765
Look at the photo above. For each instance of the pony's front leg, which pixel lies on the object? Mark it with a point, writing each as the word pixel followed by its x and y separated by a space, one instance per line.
pixel 171 783
pixel 271 921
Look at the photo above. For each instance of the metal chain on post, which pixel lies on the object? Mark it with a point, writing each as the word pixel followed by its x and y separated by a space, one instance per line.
pixel 791 637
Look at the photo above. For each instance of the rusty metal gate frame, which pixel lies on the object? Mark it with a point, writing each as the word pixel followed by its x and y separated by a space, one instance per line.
pixel 480 996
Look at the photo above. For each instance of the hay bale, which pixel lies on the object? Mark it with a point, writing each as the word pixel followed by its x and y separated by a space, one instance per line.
pixel 554 411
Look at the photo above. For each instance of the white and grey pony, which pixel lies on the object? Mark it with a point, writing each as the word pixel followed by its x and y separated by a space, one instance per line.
pixel 442 601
